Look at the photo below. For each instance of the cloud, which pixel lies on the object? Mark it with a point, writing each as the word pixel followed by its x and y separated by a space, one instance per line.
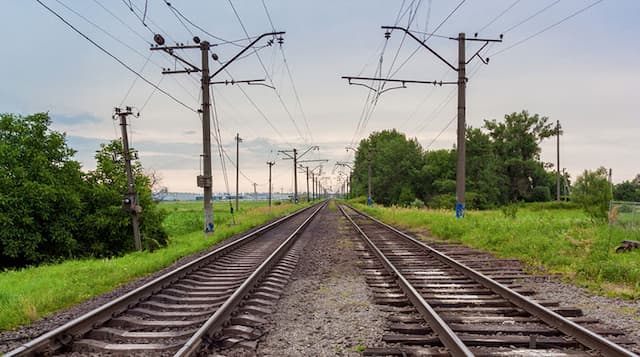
pixel 77 119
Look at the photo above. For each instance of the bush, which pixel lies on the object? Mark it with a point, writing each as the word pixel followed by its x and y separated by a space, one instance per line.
pixel 417 203
pixel 510 210
pixel 446 201
pixel 541 194
pixel 592 191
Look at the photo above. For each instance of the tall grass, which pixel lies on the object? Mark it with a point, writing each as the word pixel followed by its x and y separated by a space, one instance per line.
pixel 554 240
pixel 31 293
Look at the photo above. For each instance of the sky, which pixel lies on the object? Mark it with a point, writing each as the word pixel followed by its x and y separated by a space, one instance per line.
pixel 582 72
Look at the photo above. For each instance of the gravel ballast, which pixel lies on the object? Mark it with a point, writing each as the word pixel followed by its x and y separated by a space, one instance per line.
pixel 326 309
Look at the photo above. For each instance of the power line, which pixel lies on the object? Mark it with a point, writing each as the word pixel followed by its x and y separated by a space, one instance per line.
pixel 548 27
pixel 266 72
pixel 532 16
pixel 114 57
pixel 499 15
pixel 223 41
pixel 286 64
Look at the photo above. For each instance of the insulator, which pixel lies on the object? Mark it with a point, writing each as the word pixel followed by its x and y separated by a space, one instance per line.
pixel 196 39
pixel 387 34
pixel 280 40
pixel 158 39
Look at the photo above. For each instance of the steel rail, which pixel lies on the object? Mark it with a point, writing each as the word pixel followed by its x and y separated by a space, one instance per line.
pixel 584 336
pixel 207 331
pixel 446 335
pixel 65 334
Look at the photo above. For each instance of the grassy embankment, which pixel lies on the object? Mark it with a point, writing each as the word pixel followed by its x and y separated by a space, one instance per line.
pixel 31 293
pixel 563 241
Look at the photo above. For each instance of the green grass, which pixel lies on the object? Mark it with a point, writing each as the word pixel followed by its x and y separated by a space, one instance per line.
pixel 31 293
pixel 563 241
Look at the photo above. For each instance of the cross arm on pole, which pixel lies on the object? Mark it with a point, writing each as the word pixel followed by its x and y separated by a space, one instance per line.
pixel 244 50
pixel 315 147
pixel 403 81
pixel 422 43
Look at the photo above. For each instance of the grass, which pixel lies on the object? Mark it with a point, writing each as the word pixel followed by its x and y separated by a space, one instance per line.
pixel 563 241
pixel 31 293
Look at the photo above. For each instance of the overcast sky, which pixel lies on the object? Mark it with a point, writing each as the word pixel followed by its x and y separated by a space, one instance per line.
pixel 582 72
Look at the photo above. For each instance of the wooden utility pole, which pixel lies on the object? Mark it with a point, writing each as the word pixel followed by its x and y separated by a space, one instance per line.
pixel 130 202
pixel 238 140
pixel 270 163
pixel 558 161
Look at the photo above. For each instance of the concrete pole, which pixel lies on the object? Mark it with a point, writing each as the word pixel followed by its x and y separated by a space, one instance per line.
pixel 206 180
pixel 369 199
pixel 461 159
pixel 295 176
pixel 308 198
pixel 558 162
pixel 131 192
pixel 270 163
pixel 238 140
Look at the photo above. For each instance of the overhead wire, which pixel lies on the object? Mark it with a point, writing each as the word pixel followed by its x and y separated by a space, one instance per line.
pixel 280 99
pixel 497 17
pixel 222 40
pixel 547 28
pixel 114 57
pixel 522 22
pixel 293 85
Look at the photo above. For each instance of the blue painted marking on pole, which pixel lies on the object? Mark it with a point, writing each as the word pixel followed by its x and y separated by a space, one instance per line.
pixel 460 210
pixel 369 201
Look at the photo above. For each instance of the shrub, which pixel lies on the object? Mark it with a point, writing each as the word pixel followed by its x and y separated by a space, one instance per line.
pixel 446 201
pixel 510 210
pixel 417 203
pixel 592 191
pixel 541 194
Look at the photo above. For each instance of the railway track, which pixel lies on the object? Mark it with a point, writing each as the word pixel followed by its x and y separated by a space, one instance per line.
pixel 215 299
pixel 455 301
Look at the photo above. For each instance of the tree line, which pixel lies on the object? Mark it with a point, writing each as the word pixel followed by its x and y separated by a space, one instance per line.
pixel 51 210
pixel 503 166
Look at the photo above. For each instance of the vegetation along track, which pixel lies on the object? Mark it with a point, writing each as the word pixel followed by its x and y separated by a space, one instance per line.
pixel 192 305
pixel 469 303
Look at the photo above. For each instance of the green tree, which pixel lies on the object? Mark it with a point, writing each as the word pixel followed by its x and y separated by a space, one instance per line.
pixel 627 191
pixel 592 191
pixel 106 225
pixel 486 184
pixel 438 178
pixel 40 192
pixel 516 144
pixel 395 163
pixel 50 210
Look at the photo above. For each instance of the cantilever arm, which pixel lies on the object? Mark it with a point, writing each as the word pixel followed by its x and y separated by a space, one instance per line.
pixel 421 42
pixel 244 50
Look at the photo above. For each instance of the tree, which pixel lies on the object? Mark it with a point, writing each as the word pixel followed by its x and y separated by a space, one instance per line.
pixel 627 191
pixel 438 178
pixel 486 184
pixel 395 164
pixel 592 191
pixel 516 144
pixel 40 200
pixel 106 225
pixel 50 210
